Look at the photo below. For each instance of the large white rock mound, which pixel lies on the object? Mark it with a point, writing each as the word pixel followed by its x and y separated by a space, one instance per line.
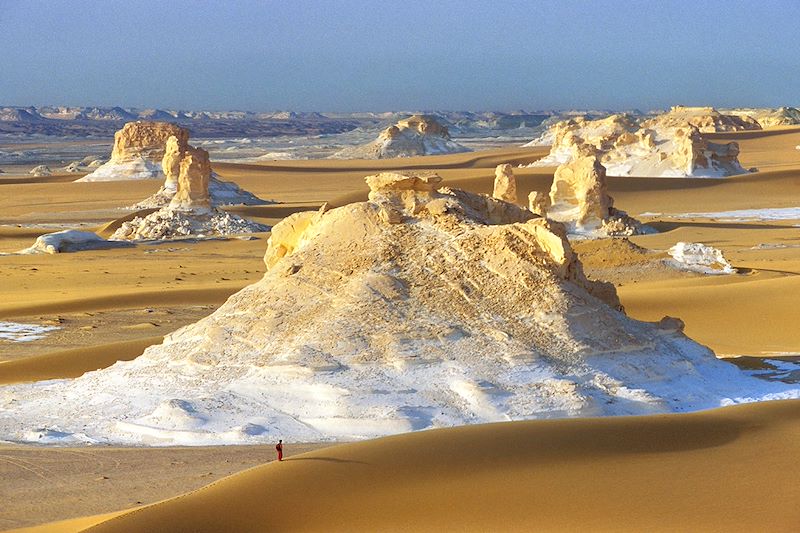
pixel 422 307
pixel 415 136
pixel 668 145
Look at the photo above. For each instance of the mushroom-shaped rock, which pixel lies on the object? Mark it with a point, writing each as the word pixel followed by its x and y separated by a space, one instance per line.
pixel 579 192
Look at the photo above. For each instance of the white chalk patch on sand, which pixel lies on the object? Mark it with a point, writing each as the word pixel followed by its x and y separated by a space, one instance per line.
pixel 741 215
pixel 697 257
pixel 17 332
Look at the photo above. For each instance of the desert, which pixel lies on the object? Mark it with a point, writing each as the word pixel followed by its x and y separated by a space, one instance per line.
pixel 570 316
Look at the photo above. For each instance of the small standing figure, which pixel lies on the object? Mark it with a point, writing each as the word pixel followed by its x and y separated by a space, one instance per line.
pixel 279 449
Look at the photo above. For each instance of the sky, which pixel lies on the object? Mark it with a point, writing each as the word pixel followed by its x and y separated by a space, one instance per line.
pixel 399 55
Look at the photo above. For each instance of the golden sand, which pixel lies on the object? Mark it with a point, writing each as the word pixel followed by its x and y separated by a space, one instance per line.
pixel 730 469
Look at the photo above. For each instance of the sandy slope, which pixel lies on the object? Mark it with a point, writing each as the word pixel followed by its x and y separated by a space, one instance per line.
pixel 731 469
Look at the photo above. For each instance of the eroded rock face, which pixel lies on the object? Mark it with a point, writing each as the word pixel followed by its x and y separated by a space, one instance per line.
pixel 219 192
pixel 538 202
pixel 669 145
pixel 705 119
pixel 579 192
pixel 146 139
pixel 415 136
pixel 768 117
pixel 40 170
pixel 193 179
pixel 171 163
pixel 190 211
pixel 505 185
pixel 695 154
pixel 139 148
pixel 579 198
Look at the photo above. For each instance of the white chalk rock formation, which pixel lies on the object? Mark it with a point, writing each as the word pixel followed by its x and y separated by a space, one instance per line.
pixel 698 257
pixel 579 199
pixel 769 117
pixel 220 192
pixel 414 136
pixel 669 145
pixel 138 150
pixel 505 184
pixel 420 308
pixel 40 170
pixel 189 212
pixel 69 241
pixel 705 119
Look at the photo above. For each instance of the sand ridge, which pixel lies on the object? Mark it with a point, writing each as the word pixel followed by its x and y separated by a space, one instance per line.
pixel 656 473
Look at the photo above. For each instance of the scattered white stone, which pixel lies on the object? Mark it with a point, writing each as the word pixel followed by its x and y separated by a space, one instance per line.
pixel 698 257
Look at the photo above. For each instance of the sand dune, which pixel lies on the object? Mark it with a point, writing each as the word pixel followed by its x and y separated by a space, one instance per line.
pixel 72 363
pixel 43 484
pixel 658 473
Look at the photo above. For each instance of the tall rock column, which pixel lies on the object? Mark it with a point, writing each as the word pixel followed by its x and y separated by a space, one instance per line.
pixel 171 163
pixel 195 173
pixel 505 185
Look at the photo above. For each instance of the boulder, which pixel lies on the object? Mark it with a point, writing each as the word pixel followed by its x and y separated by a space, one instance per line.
pixel 505 185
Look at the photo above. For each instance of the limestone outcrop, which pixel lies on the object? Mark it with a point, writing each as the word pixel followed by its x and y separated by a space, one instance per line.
pixel 505 184
pixel 415 136
pixel 193 180
pixel 138 150
pixel 769 117
pixel 146 139
pixel 705 119
pixel 69 241
pixel 669 145
pixel 171 163
pixel 579 198
pixel 190 211
pixel 220 192
pixel 457 309
pixel 154 150
pixel 40 170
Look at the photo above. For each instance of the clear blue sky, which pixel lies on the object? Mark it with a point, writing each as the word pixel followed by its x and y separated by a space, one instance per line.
pixel 388 55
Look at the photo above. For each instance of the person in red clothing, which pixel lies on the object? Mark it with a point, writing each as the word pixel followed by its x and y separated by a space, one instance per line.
pixel 279 449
